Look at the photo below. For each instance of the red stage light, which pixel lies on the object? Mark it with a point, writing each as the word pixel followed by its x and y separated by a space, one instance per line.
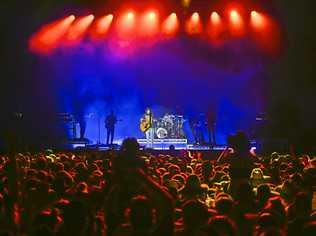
pixel 254 13
pixel 215 28
pixel 102 26
pixel 171 25
pixel 234 15
pixel 215 18
pixel 48 37
pixel 266 32
pixel 257 20
pixel 194 25
pixel 126 24
pixel 237 24
pixel 195 17
pixel 130 16
pixel 186 3
pixel 149 24
pixel 236 19
pixel 78 29
pixel 151 15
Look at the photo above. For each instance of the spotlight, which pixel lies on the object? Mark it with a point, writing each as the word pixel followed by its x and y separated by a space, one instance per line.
pixel 126 24
pixel 194 25
pixel 186 3
pixel 71 18
pixel 234 15
pixel 254 14
pixel 237 24
pixel 90 17
pixel 149 23
pixel 215 28
pixel 258 20
pixel 215 18
pixel 195 17
pixel 130 15
pixel 103 24
pixel 171 24
pixel 151 15
pixel 48 37
pixel 78 29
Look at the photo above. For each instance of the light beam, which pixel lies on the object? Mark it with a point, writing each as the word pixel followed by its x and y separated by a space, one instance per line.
pixel 171 25
pixel 48 37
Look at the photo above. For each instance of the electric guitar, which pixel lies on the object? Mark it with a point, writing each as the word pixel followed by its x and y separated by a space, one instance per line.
pixel 145 125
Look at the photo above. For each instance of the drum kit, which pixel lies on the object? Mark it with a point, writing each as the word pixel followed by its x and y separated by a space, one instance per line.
pixel 169 127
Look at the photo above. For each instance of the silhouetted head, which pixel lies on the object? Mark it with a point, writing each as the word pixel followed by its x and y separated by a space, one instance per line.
pixel 303 204
pixel 224 205
pixel 42 230
pixel 267 220
pixel 263 192
pixel 148 111
pixel 239 142
pixel 242 142
pixel 309 228
pixel 75 216
pixel 222 225
pixel 130 146
pixel 207 168
pixel 244 193
pixel 141 213
pixel 195 214
pixel 193 182
pixel 276 207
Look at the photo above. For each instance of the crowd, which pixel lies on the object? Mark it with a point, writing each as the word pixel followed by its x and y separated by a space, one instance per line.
pixel 133 192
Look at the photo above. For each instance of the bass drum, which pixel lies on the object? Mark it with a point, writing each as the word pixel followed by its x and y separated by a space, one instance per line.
pixel 162 133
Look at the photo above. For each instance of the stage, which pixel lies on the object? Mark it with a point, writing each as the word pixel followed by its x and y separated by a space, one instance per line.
pixel 201 76
pixel 158 144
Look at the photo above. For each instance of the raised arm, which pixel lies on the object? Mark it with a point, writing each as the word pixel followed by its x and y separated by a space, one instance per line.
pixel 163 204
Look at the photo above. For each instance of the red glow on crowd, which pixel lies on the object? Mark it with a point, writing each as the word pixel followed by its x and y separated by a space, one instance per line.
pixel 194 25
pixel 49 36
pixel 171 25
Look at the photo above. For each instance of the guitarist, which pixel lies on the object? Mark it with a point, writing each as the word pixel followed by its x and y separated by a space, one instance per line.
pixel 146 126
pixel 110 122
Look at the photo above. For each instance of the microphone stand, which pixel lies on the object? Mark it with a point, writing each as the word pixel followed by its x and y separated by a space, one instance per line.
pixel 99 131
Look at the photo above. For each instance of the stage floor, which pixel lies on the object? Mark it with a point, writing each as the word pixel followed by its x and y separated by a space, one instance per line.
pixel 158 144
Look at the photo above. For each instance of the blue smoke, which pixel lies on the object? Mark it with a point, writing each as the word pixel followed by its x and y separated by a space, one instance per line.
pixel 182 75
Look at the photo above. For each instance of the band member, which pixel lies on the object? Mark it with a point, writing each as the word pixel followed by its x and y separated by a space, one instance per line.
pixel 110 122
pixel 146 126
pixel 83 125
pixel 197 125
pixel 80 118
pixel 211 123
pixel 192 123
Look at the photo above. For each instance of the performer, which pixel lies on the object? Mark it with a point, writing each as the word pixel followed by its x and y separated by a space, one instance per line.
pixel 79 118
pixel 110 122
pixel 192 123
pixel 146 126
pixel 211 123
